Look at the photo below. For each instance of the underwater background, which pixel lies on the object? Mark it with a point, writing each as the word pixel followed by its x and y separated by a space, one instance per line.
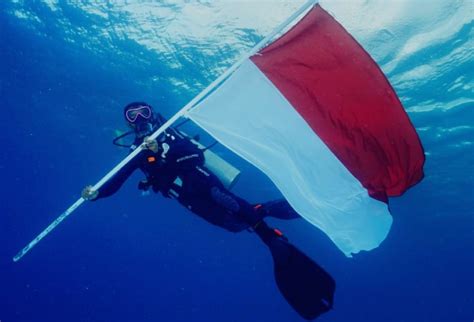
pixel 67 68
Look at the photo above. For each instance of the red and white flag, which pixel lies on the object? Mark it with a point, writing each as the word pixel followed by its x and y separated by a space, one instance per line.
pixel 316 114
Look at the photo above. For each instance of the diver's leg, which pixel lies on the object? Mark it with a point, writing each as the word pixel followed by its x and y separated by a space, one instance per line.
pixel 280 209
pixel 207 197
pixel 243 211
pixel 225 199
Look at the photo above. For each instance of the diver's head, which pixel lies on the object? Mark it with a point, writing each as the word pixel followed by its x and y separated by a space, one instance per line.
pixel 140 117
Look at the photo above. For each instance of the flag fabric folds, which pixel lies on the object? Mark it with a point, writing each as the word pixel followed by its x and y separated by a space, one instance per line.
pixel 315 113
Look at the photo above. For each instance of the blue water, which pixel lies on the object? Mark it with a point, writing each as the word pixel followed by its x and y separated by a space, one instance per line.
pixel 66 71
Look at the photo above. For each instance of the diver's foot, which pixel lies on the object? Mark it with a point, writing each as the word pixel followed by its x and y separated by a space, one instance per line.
pixel 268 233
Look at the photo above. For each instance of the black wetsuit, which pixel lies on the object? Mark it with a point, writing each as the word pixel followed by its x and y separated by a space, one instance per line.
pixel 177 171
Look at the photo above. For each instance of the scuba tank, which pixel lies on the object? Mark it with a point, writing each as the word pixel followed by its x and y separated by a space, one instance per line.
pixel 226 172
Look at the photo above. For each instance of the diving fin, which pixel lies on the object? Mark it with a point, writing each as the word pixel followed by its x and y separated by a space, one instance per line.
pixel 305 285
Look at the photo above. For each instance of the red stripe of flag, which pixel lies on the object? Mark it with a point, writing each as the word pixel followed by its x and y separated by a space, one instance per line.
pixel 345 98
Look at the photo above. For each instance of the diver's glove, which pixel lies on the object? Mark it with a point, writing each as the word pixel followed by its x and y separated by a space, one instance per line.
pixel 151 144
pixel 89 193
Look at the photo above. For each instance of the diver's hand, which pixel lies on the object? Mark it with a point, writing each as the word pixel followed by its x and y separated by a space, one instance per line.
pixel 89 193
pixel 150 144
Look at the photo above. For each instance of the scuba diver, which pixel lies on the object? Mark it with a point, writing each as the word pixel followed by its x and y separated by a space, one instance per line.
pixel 175 166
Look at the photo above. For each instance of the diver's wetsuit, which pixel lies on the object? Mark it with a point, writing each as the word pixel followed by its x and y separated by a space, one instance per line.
pixel 177 170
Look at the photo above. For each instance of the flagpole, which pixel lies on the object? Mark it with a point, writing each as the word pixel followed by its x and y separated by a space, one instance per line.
pixel 182 112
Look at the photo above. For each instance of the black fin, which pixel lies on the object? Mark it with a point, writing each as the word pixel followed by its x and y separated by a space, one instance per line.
pixel 306 286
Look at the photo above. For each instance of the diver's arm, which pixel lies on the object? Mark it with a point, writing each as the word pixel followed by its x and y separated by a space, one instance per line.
pixel 114 184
